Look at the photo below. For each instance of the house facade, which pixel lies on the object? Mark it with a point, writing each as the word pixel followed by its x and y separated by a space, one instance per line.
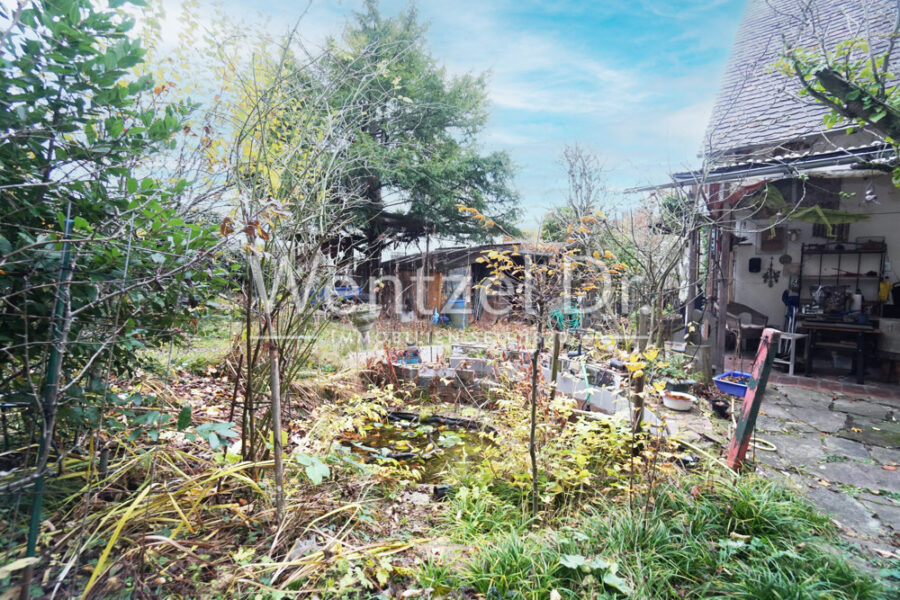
pixel 807 218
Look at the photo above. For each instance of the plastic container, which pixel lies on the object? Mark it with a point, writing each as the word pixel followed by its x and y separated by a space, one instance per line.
pixel 459 314
pixel 678 400
pixel 730 387
pixel 679 385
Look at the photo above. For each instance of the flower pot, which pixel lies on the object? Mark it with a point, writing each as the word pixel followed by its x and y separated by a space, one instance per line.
pixel 363 318
pixel 679 385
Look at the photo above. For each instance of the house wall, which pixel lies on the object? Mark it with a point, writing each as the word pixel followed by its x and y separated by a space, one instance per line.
pixel 750 289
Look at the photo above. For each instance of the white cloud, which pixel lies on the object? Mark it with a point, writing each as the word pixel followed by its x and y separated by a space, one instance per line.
pixel 548 89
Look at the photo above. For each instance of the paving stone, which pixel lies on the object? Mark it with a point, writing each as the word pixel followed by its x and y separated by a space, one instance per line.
pixel 789 479
pixel 799 427
pixel 773 459
pixel 767 423
pixel 775 410
pixel 846 510
pixel 885 456
pixel 797 450
pixel 887 480
pixel 877 498
pixel 774 417
pixel 819 417
pixel 804 398
pixel 860 475
pixel 837 446
pixel 885 434
pixel 862 408
pixel 887 511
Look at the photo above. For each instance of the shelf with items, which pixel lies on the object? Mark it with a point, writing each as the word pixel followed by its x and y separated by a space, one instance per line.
pixel 845 248
pixel 839 270
pixel 850 276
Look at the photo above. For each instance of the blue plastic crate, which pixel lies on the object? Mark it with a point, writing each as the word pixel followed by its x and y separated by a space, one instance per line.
pixel 729 387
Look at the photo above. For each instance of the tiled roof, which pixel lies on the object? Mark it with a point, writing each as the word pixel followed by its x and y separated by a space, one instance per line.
pixel 757 106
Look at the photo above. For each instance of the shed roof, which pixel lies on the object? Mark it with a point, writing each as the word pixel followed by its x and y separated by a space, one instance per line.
pixel 850 162
pixel 757 105
pixel 444 259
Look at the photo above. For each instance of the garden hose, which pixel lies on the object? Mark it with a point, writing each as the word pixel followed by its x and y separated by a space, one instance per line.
pixel 769 446
pixel 707 455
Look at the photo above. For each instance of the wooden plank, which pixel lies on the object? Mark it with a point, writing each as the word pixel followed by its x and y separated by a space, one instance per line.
pixel 756 387
pixel 433 298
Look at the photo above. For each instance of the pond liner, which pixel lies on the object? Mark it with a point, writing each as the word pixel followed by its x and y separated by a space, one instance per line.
pixel 453 422
pixel 373 454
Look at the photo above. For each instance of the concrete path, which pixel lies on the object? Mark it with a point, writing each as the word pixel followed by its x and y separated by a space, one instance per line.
pixel 842 453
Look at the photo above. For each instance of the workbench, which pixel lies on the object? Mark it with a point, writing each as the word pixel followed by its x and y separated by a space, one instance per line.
pixel 863 334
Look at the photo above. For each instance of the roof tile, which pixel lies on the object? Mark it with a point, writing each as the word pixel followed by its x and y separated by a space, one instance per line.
pixel 757 105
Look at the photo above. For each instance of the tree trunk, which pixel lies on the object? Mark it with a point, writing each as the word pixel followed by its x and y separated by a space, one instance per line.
pixel 638 400
pixel 247 424
pixel 693 287
pixel 373 232
pixel 855 102
pixel 554 366
pixel 532 450
pixel 275 390
pixel 265 304
pixel 643 327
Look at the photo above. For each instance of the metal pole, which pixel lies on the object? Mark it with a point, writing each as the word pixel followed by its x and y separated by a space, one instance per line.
pixel 50 392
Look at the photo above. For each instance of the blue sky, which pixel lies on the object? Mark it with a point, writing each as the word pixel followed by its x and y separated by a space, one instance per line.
pixel 632 80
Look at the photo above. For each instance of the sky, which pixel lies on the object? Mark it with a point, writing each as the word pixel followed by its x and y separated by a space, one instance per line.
pixel 632 80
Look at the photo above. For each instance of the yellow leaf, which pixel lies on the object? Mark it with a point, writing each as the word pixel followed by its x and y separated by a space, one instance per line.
pixel 17 565
pixel 651 353
pixel 101 562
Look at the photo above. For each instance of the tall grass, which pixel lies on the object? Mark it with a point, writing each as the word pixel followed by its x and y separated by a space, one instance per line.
pixel 697 539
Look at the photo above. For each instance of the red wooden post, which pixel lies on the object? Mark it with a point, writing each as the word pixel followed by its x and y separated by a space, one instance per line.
pixel 756 387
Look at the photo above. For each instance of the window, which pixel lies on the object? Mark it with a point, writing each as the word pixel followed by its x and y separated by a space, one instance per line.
pixel 771 240
pixel 839 233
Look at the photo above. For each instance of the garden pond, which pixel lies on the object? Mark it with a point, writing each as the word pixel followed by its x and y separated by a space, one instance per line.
pixel 434 447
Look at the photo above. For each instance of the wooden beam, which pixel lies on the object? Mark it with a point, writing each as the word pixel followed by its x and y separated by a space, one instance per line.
pixel 756 387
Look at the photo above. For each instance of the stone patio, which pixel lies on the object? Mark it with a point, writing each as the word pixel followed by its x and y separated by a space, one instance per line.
pixel 842 453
